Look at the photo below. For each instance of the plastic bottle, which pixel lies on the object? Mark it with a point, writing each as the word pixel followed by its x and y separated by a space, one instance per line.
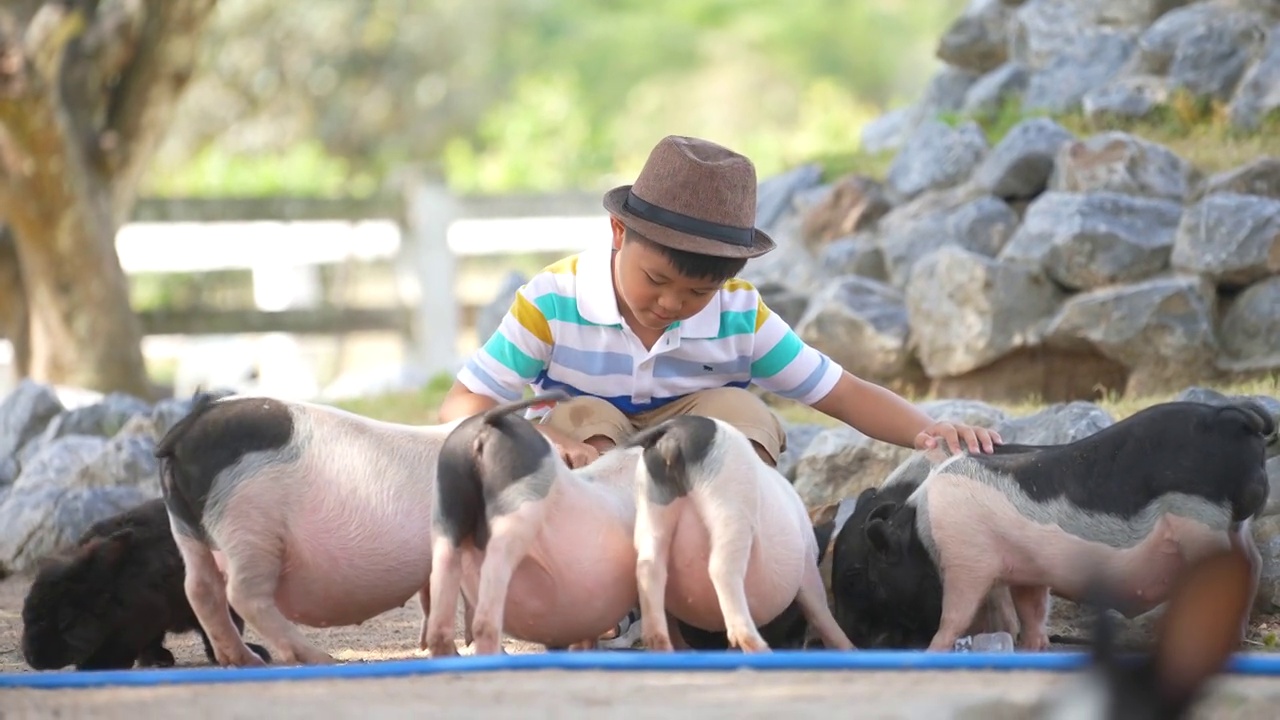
pixel 986 642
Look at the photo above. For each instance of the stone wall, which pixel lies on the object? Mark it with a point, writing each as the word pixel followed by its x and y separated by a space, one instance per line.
pixel 1047 265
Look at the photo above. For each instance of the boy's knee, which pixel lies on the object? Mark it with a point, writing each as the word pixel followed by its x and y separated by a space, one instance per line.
pixel 589 419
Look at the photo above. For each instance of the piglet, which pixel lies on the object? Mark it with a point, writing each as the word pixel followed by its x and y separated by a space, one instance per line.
pixel 1195 637
pixel 723 541
pixel 1136 502
pixel 543 553
pixel 318 516
pixel 109 602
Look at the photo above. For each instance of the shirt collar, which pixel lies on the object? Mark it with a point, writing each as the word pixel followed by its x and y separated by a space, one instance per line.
pixel 598 303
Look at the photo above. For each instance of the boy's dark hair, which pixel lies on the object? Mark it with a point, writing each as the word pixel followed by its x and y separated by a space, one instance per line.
pixel 692 265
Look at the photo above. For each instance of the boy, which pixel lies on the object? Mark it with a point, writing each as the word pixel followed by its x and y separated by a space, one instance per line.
pixel 657 325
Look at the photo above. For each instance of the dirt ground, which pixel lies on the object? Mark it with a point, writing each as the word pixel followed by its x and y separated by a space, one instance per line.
pixel 547 694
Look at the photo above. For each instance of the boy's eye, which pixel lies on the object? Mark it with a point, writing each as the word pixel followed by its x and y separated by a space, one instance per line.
pixel 653 280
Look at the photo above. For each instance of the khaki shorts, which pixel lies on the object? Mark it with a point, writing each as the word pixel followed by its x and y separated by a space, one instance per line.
pixel 586 416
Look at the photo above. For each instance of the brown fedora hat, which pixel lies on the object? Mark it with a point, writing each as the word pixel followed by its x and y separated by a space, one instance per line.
pixel 694 195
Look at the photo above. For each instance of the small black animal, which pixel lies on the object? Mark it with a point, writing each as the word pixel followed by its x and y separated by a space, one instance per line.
pixel 109 602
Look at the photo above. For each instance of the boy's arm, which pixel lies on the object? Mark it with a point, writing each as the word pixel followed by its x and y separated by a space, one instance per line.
pixel 510 359
pixel 787 366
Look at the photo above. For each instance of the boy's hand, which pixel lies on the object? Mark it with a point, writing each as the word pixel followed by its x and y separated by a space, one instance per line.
pixel 577 454
pixel 978 439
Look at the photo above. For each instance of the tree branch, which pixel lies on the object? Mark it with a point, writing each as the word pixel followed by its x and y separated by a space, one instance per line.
pixel 149 88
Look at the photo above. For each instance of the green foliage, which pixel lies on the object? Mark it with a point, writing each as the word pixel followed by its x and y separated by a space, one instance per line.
pixel 303 169
pixel 532 94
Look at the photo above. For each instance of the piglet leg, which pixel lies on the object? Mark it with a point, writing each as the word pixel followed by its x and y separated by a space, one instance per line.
pixel 438 626
pixel 654 526
pixel 253 572
pixel 510 539
pixel 813 603
pixel 1242 539
pixel 1032 605
pixel 731 537
pixel 207 594
pixel 963 590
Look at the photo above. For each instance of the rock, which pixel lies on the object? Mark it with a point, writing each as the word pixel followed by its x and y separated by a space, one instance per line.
pixel 889 131
pixel 861 324
pixel 982 226
pixel 1250 327
pixel 100 419
pixel 970 412
pixel 841 462
pixel 1259 93
pixel 1091 61
pixel 24 414
pixel 1039 374
pixel 1162 329
pixel 1260 177
pixel 989 93
pixel 936 156
pixel 1055 424
pixel 944 93
pixel 1273 480
pixel 790 264
pixel 855 203
pixel 786 302
pixel 8 472
pixel 966 310
pixel 977 40
pixel 799 438
pixel 1086 241
pixel 1127 97
pixel 1230 238
pixel 48 519
pixel 126 460
pixel 773 197
pixel 1203 47
pixel 857 254
pixel 1019 166
pixel 1123 163
pixel 1042 31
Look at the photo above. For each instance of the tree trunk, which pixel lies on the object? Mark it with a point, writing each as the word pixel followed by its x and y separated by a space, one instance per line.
pixel 85 96
pixel 13 303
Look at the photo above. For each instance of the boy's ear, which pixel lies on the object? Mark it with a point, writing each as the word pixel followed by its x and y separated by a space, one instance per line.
pixel 619 231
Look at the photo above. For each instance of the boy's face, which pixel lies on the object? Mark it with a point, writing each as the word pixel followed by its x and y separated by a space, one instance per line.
pixel 651 292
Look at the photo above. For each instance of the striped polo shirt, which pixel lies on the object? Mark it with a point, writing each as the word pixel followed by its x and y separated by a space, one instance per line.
pixel 564 330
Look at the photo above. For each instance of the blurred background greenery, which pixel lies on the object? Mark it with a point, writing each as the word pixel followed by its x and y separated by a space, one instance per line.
pixel 332 97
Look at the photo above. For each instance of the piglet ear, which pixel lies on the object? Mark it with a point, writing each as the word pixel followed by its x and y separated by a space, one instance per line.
pixel 878 534
pixel 882 512
pixel 1201 625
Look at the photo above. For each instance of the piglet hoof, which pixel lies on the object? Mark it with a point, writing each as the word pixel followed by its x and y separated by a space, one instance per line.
pixel 1034 641
pixel 748 640
pixel 441 647
pixel 657 642
pixel 241 657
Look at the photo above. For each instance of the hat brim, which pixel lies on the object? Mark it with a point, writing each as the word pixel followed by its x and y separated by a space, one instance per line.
pixel 615 203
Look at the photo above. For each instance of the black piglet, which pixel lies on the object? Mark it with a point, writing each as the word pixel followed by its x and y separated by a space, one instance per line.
pixel 109 602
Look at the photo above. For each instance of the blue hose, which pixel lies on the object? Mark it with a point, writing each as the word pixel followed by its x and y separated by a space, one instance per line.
pixel 794 660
